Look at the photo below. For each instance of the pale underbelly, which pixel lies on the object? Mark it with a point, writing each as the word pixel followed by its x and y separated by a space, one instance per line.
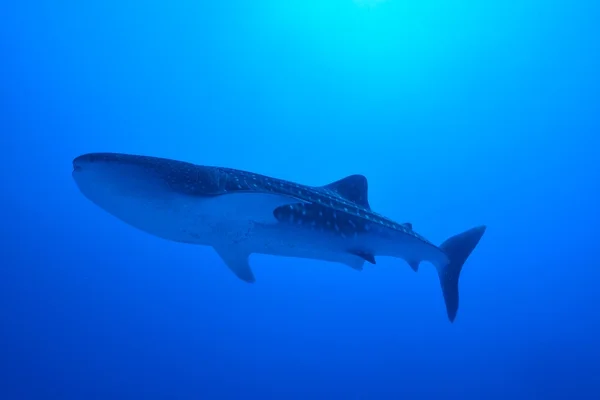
pixel 185 224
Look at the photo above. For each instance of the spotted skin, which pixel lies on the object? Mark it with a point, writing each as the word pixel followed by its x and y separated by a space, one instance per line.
pixel 322 208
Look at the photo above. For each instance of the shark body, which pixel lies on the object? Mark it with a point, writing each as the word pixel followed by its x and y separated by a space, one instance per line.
pixel 239 213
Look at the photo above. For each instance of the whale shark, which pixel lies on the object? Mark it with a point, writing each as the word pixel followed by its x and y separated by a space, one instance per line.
pixel 239 213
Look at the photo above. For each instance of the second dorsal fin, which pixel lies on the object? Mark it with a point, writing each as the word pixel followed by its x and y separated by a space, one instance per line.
pixel 353 188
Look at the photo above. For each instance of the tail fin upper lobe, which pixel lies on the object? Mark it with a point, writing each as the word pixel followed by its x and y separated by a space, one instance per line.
pixel 457 248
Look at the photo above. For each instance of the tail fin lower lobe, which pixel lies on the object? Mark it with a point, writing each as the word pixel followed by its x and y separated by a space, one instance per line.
pixel 457 248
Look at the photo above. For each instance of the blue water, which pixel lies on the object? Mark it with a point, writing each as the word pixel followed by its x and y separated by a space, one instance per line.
pixel 459 113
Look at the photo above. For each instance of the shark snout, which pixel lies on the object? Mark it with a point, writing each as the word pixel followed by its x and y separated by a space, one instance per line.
pixel 86 161
pixel 79 163
pixel 83 161
pixel 121 172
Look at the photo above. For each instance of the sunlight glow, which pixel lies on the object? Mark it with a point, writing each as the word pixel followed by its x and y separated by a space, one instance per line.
pixel 368 3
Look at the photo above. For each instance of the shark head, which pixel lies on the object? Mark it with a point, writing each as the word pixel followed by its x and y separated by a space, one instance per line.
pixel 100 176
pixel 111 179
pixel 166 197
pixel 141 189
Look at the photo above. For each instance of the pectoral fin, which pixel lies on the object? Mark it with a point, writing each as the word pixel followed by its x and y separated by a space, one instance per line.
pixel 237 261
pixel 364 255
pixel 414 265
pixel 355 263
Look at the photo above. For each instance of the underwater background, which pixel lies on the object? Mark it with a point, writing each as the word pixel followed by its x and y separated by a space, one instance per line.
pixel 459 113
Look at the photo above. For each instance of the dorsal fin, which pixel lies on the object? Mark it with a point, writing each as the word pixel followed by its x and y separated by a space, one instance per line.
pixel 353 188
pixel 408 225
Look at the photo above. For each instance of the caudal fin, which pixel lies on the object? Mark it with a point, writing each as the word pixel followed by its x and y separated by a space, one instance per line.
pixel 457 248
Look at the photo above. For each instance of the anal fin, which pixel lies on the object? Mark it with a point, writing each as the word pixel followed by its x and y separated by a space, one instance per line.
pixel 237 261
